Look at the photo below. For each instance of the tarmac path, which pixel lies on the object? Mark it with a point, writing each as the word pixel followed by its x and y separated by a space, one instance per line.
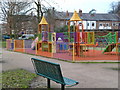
pixel 92 75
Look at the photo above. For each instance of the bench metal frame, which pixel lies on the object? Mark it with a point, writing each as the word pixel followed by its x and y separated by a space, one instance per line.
pixel 51 71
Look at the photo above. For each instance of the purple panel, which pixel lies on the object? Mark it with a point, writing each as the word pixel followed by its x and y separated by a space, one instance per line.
pixel 45 36
pixel 61 46
pixel 72 33
pixel 119 34
pixel 61 35
pixel 12 46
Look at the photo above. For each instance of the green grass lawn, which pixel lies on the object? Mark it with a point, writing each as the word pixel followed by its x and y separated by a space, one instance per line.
pixel 16 78
pixel 0 80
pixel 2 44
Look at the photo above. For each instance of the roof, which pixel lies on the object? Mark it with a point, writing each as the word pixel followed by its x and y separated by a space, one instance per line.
pixel 43 21
pixel 101 17
pixel 87 16
pixel 75 17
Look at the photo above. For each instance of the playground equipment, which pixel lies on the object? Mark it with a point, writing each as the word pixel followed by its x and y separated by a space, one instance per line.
pixel 46 38
pixel 74 44
pixel 110 41
pixel 79 40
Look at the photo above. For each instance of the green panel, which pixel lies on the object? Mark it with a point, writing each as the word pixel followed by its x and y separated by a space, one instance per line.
pixel 50 48
pixel 44 46
pixel 110 38
pixel 71 39
pixel 50 36
pixel 66 35
pixel 40 37
pixel 109 48
pixel 88 37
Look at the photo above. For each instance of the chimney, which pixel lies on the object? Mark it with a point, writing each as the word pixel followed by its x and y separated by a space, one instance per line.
pixel 93 14
pixel 67 13
pixel 80 12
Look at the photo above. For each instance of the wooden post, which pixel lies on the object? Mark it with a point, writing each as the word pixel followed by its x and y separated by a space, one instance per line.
pixel 52 49
pixel 14 46
pixel 23 45
pixel 68 26
pixel 117 49
pixel 73 52
pixel 93 38
pixel 74 27
pixel 82 28
pixel 69 31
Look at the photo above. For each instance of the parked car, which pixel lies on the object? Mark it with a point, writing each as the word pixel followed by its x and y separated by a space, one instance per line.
pixel 26 36
pixel 5 37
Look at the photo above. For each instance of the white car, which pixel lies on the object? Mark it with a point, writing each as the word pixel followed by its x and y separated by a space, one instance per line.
pixel 26 36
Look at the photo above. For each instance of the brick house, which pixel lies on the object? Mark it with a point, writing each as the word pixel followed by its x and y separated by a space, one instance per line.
pixel 96 21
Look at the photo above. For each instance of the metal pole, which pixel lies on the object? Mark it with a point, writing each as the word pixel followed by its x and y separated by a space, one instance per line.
pixel 48 83
pixel 62 87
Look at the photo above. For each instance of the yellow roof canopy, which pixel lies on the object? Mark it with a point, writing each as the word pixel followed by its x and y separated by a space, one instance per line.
pixel 75 17
pixel 43 21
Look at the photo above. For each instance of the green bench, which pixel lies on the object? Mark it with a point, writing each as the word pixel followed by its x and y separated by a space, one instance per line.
pixel 51 71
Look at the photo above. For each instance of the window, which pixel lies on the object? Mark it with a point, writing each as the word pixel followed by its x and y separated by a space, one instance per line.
pixel 113 24
pixel 87 24
pixel 23 36
pixel 107 24
pixel 100 24
pixel 80 24
pixel 116 24
pixel 92 24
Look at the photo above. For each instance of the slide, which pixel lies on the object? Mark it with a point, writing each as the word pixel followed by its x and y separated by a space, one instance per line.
pixel 33 43
pixel 109 48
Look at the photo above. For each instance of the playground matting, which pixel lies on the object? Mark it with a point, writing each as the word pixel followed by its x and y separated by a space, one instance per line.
pixel 90 55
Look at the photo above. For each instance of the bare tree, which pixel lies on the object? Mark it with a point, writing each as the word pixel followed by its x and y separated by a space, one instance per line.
pixel 51 16
pixel 39 9
pixel 12 11
pixel 115 7
pixel 42 7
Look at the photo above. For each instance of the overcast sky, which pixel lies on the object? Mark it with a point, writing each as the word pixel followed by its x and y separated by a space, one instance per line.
pixel 101 6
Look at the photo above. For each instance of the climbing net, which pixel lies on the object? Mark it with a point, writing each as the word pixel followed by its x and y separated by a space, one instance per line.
pixel 107 39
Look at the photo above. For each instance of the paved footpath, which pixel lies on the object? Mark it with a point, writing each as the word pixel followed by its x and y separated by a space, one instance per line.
pixel 89 75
